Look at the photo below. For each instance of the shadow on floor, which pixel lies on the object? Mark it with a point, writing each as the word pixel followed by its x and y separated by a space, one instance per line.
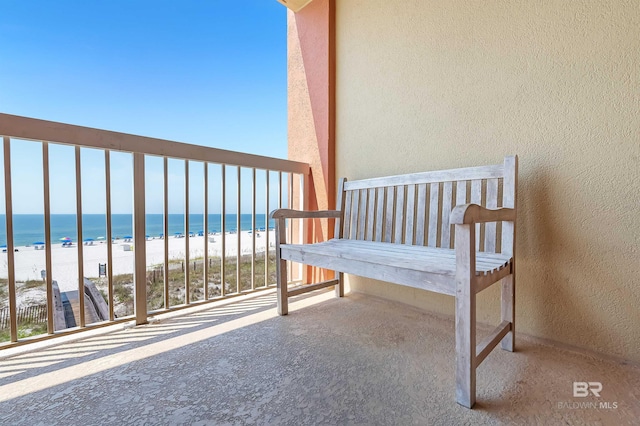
pixel 356 360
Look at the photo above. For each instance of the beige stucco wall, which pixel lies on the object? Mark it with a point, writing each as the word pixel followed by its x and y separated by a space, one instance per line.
pixel 434 84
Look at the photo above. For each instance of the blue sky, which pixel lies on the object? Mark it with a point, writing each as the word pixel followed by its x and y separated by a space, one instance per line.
pixel 205 72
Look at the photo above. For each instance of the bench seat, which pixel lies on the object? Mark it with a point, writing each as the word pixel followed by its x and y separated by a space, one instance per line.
pixel 427 268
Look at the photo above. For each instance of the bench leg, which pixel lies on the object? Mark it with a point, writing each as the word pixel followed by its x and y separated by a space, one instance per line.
pixel 508 299
pixel 339 288
pixel 465 345
pixel 281 276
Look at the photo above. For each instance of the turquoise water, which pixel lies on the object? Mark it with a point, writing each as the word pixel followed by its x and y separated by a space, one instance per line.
pixel 29 228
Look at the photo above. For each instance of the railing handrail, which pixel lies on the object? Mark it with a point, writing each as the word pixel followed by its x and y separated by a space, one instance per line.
pixel 18 127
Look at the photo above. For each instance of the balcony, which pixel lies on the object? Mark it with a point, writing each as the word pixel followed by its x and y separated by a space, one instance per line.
pixel 207 347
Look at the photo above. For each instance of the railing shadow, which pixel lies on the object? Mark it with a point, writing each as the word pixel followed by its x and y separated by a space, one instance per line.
pixel 54 358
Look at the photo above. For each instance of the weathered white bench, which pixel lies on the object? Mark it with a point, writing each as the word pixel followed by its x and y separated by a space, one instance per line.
pixel 449 231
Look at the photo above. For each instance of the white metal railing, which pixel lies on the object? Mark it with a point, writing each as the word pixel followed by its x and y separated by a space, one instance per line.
pixel 292 181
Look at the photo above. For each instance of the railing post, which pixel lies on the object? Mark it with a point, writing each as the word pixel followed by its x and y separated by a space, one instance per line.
pixel 47 238
pixel 187 234
pixel 13 321
pixel 139 240
pixel 81 292
pixel 306 226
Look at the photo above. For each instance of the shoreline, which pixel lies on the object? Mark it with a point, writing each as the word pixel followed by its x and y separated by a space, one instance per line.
pixel 29 261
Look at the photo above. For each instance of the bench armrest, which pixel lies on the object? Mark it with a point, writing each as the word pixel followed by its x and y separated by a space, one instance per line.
pixel 300 214
pixel 473 213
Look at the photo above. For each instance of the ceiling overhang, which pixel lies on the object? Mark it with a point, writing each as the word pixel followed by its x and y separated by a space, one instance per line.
pixel 295 5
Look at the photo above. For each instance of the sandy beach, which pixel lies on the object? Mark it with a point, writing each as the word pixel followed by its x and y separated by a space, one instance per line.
pixel 29 262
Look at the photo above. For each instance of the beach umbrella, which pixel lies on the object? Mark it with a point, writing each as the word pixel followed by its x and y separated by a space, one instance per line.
pixel 88 239
pixel 65 239
pixel 100 238
pixel 38 243
pixel 128 237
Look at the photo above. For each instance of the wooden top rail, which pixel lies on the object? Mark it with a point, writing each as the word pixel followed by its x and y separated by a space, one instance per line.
pixel 19 127
pixel 452 175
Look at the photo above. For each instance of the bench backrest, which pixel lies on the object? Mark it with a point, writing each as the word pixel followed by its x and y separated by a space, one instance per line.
pixel 414 208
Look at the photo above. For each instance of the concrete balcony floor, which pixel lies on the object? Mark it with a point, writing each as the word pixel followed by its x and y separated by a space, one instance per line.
pixel 356 360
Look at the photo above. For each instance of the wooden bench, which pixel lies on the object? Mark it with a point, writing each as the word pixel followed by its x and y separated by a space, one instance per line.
pixel 449 231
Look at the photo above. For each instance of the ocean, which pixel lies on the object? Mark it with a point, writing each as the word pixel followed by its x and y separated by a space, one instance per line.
pixel 29 228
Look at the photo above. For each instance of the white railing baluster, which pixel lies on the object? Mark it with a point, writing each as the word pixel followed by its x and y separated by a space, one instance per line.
pixel 304 227
pixel 165 230
pixel 291 222
pixel 79 231
pixel 205 269
pixel 253 229
pixel 224 227
pixel 11 279
pixel 266 224
pixel 280 206
pixel 187 234
pixel 47 237
pixel 238 234
pixel 107 175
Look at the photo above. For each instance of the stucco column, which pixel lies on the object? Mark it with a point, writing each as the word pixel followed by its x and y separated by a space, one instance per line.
pixel 311 104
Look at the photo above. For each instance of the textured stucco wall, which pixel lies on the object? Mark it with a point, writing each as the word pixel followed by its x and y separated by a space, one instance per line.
pixel 434 84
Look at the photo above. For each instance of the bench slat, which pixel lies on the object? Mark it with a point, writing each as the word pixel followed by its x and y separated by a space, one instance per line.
pixel 354 215
pixel 379 213
pixel 461 199
pixel 447 194
pixel 490 227
pixel 347 214
pixel 421 213
pixel 371 209
pixel 388 217
pixel 399 215
pixel 362 215
pixel 426 259
pixel 461 192
pixel 476 198
pixel 403 247
pixel 434 195
pixel 485 262
pixel 410 215
pixel 340 205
